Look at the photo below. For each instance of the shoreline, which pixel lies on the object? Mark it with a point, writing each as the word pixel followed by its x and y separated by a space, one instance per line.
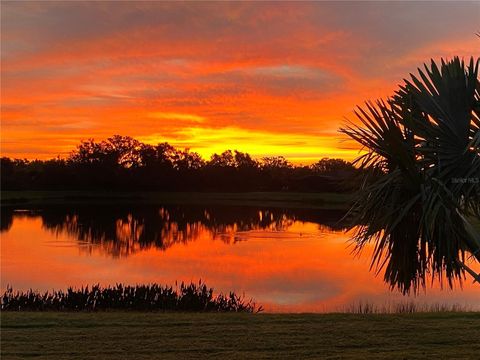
pixel 336 201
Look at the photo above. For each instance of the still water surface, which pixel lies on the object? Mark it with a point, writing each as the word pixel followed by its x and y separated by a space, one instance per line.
pixel 286 259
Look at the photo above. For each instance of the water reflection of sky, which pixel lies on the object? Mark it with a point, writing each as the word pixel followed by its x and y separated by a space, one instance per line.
pixel 288 260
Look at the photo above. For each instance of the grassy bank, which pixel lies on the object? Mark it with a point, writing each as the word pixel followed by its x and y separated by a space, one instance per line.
pixel 239 336
pixel 267 199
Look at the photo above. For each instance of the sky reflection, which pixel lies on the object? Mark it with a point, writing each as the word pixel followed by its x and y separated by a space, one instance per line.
pixel 286 264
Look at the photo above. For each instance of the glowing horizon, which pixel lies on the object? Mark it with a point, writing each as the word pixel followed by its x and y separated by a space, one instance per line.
pixel 270 79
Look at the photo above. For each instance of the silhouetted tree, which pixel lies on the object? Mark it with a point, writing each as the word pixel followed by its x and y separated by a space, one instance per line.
pixel 121 162
pixel 225 159
pixel 333 166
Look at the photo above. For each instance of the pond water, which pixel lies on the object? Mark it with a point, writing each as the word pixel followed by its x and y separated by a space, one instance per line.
pixel 286 259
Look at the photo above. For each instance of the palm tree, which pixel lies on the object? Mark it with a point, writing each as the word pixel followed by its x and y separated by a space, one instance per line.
pixel 423 156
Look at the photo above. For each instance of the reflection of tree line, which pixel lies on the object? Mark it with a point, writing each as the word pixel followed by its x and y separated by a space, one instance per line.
pixel 120 231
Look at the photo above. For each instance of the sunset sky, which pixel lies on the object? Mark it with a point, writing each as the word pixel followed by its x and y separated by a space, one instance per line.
pixel 265 78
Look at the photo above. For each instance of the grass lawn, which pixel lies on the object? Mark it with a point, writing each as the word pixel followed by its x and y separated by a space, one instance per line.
pixel 267 199
pixel 239 336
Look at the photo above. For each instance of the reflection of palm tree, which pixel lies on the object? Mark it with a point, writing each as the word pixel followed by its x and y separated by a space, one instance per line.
pixel 425 143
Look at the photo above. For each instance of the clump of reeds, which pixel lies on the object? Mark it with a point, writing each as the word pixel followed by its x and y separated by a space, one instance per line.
pixel 402 308
pixel 188 297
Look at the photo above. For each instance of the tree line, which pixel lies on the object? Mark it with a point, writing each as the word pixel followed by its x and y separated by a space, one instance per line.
pixel 124 163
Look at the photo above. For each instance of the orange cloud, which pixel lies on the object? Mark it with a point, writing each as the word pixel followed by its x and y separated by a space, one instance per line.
pixel 153 70
pixel 177 116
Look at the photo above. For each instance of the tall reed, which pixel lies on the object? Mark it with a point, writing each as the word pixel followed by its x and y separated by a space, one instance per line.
pixel 408 307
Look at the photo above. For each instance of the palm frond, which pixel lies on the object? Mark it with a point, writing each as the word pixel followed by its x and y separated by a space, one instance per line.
pixel 426 139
